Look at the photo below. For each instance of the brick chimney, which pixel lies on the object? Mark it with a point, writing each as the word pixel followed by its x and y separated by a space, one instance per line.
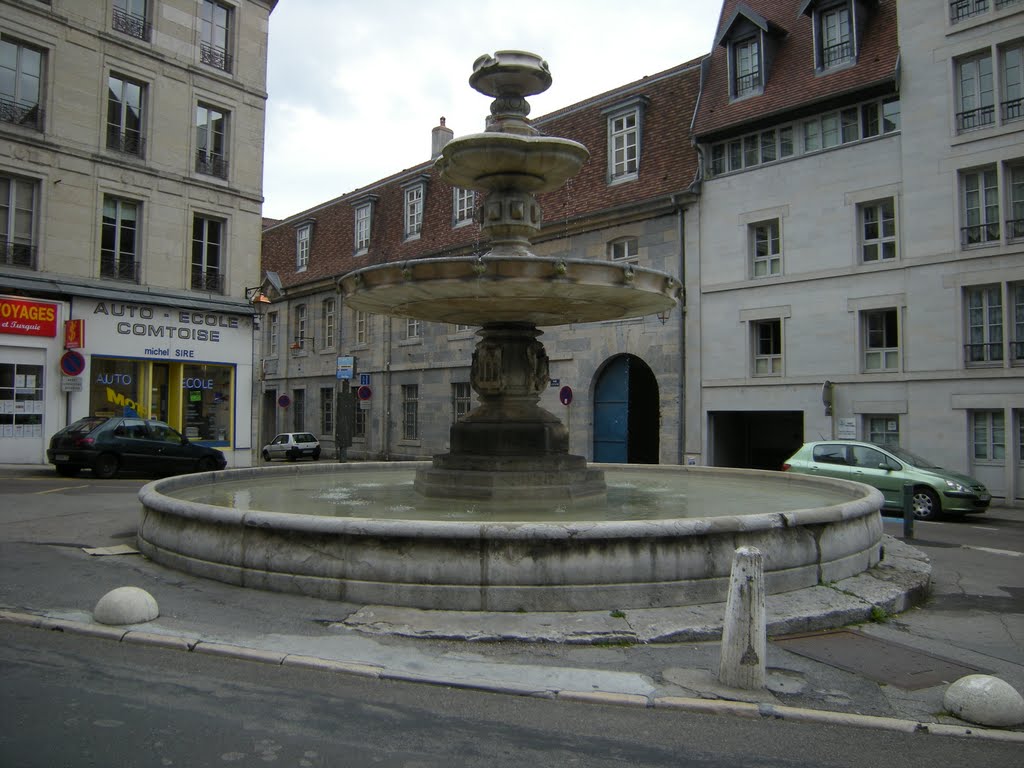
pixel 440 136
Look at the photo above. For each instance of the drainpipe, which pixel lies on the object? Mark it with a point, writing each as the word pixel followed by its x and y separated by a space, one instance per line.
pixel 681 234
pixel 386 423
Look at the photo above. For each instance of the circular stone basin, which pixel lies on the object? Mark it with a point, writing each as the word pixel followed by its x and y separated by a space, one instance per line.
pixel 544 291
pixel 665 537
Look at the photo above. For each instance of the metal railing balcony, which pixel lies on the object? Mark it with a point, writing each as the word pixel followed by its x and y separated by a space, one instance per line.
pixel 1015 229
pixel 1013 110
pixel 28 115
pixel 973 119
pixel 964 9
pixel 132 25
pixel 18 255
pixel 211 164
pixel 979 234
pixel 113 268
pixel 207 281
pixel 215 57
pixel 989 352
pixel 127 143
pixel 748 83
pixel 837 53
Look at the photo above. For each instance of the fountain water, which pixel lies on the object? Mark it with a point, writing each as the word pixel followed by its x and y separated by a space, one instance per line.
pixel 510 452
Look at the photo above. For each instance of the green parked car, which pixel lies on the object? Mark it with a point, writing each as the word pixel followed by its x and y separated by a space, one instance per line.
pixel 937 491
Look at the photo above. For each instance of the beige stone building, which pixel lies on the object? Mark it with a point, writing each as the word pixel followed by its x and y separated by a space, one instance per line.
pixel 131 165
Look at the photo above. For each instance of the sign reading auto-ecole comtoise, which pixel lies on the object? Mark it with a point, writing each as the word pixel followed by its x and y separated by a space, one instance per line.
pixel 28 317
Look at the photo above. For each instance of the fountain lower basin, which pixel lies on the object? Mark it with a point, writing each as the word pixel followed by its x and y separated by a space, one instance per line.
pixel 493 564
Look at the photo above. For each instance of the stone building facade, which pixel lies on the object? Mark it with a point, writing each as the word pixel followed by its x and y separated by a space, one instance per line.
pixel 131 164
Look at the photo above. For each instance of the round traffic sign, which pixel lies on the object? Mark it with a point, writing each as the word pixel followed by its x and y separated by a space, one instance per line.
pixel 284 401
pixel 72 363
pixel 565 395
pixel 364 392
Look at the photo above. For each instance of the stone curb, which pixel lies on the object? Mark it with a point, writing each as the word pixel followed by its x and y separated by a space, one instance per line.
pixel 695 706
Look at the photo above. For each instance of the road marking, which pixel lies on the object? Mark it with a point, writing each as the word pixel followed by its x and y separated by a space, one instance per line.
pixel 1009 552
pixel 983 528
pixel 61 488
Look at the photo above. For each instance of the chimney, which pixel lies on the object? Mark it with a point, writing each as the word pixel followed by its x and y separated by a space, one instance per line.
pixel 438 138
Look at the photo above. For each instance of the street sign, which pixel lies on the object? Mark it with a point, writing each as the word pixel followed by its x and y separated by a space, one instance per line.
pixel 364 393
pixel 565 395
pixel 284 401
pixel 364 379
pixel 555 382
pixel 72 363
pixel 346 366
pixel 70 384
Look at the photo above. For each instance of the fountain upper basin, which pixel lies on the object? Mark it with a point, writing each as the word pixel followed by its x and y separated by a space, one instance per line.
pixel 507 565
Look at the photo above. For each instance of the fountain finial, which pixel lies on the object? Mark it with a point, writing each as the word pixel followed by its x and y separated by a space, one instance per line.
pixel 509 77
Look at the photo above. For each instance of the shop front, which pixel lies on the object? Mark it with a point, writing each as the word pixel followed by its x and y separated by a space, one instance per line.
pixel 191 368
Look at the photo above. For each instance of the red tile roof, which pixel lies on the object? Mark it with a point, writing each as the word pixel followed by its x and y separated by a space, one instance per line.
pixel 792 82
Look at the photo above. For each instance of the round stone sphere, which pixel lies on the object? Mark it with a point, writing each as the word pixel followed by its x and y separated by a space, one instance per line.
pixel 985 700
pixel 126 605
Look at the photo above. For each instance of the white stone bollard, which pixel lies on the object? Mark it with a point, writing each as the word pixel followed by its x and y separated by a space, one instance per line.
pixel 126 605
pixel 985 700
pixel 744 633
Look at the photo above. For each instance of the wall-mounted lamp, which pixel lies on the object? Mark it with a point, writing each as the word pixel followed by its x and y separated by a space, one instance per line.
pixel 300 341
pixel 256 295
pixel 828 396
pixel 664 315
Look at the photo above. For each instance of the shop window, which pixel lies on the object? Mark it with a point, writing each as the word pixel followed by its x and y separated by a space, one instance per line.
pixel 206 391
pixel 21 400
pixel 118 388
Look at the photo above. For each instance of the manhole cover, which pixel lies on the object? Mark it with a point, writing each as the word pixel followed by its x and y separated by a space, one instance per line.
pixel 878 660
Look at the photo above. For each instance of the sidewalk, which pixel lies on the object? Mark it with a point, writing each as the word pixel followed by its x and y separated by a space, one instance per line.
pixel 890 673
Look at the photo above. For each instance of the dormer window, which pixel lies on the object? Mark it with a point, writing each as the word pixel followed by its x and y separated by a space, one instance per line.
pixel 303 236
pixel 746 67
pixel 414 193
pixel 625 139
pixel 362 221
pixel 837 28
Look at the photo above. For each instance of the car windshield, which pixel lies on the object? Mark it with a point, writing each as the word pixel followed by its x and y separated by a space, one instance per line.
pixel 911 458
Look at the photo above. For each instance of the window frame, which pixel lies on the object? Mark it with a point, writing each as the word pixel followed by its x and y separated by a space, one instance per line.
pixel 767 361
pixel 300 318
pixel 988 432
pixel 210 276
pixel 216 30
pixel 747 80
pixel 303 236
pixel 19 249
pixel 770 258
pixel 624 124
pixel 273 333
pixel 879 429
pixel 872 332
pixel 414 199
pixel 881 239
pixel 462 399
pixel 212 123
pixel 986 213
pixel 624 250
pixel 362 221
pixel 299 409
pixel 974 110
pixel 328 322
pixel 846 43
pixel 19 108
pixel 115 266
pixel 463 206
pixel 327 411
pixel 410 412
pixel 120 138
pixel 984 330
pixel 361 326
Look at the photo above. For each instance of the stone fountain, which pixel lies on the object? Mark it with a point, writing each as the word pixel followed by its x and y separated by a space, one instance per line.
pixel 508 520
pixel 509 447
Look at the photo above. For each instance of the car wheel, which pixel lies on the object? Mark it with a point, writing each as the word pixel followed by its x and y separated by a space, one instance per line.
pixel 207 464
pixel 67 470
pixel 266 455
pixel 316 454
pixel 926 504
pixel 105 466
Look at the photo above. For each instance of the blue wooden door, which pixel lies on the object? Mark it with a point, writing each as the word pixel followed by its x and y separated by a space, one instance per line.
pixel 611 413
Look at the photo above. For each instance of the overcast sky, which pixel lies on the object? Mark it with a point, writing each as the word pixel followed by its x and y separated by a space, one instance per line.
pixel 355 88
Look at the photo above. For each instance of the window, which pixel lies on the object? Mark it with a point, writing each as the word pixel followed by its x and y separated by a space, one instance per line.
pixel 1017 291
pixel 988 433
pixel 410 412
pixel 359 424
pixel 980 207
pixel 984 324
pixel 413 211
pixel 299 410
pixel 975 105
pixel 878 231
pixel 362 320
pixel 835 37
pixel 302 247
pixel 130 18
pixel 17 222
pixel 211 146
pixel 300 328
pixel 207 254
pixel 413 328
pixel 463 202
pixel 881 340
pixel 964 9
pixel 22 400
pixel 124 116
pixel 767 347
pixel 883 430
pixel 363 217
pixel 624 249
pixel 327 323
pixel 215 35
pixel 1015 224
pixel 625 133
pixel 765 249
pixel 119 239
pixel 1013 82
pixel 746 64
pixel 461 399
pixel 273 329
pixel 327 410
pixel 21 77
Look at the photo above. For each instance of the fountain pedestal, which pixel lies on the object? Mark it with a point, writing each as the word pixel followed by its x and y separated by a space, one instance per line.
pixel 510 447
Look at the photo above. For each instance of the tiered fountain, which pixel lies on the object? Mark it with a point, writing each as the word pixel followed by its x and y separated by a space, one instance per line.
pixel 509 519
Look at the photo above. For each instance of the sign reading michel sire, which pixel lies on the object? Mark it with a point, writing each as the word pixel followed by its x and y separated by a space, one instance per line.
pixel 145 330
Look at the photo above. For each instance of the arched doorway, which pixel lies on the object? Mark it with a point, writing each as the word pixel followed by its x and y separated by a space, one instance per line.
pixel 626 413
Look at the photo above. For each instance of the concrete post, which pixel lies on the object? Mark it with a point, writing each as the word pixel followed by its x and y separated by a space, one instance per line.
pixel 744 633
